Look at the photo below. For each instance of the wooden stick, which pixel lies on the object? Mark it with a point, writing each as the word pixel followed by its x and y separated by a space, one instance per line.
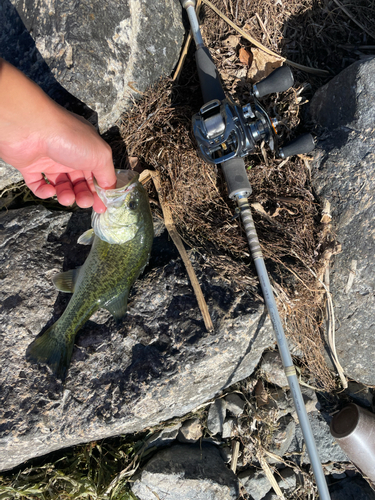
pixel 169 224
pixel 307 69
pixel 235 453
pixel 271 477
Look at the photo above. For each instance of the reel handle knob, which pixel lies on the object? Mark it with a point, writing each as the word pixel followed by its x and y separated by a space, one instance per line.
pixel 279 80
pixel 301 145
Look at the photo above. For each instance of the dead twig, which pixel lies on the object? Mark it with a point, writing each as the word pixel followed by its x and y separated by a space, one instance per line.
pixel 270 477
pixel 169 224
pixel 235 454
pixel 330 327
pixel 349 14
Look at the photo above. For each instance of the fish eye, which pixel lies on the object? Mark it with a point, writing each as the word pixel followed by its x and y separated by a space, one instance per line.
pixel 132 205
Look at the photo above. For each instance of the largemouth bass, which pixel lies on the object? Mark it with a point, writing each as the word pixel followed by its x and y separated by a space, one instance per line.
pixel 121 241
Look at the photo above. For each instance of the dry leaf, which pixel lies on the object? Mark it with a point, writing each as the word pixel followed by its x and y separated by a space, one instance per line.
pixel 232 41
pixel 261 394
pixel 133 162
pixel 262 65
pixel 245 57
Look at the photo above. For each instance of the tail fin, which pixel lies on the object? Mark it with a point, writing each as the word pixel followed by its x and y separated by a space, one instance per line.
pixel 54 348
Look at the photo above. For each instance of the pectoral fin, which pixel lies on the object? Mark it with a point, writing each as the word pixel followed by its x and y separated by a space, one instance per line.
pixel 65 282
pixel 118 305
pixel 87 238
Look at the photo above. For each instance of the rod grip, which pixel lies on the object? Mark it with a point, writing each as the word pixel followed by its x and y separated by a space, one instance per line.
pixel 208 76
pixel 236 178
pixel 279 80
pixel 301 145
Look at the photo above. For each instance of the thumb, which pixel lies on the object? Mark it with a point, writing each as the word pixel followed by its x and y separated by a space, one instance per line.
pixel 105 176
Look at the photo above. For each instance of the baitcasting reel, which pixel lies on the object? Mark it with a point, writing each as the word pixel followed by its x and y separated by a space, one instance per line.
pixel 223 130
pixel 225 133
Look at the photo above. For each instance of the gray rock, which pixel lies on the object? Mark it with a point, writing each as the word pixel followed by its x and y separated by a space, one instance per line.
pixel 339 476
pixel 343 173
pixel 190 431
pixel 226 453
pixel 158 363
pixel 355 488
pixel 286 479
pixel 228 428
pixel 255 483
pixel 309 398
pixel 105 54
pixel 235 404
pixel 282 438
pixel 187 472
pixel 272 369
pixel 164 437
pixel 216 416
pixel 328 449
pixel 360 394
pixel 8 175
pixel 271 495
pixel 280 402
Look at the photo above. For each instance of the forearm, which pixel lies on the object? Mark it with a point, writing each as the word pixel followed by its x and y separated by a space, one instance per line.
pixel 38 136
pixel 25 111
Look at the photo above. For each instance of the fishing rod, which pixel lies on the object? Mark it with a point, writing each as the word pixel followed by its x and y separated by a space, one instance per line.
pixel 225 134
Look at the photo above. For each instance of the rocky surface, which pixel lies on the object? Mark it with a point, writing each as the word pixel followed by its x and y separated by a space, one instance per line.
pixel 158 363
pixel 104 54
pixel 354 488
pixel 343 173
pixel 8 175
pixel 187 472
pixel 328 450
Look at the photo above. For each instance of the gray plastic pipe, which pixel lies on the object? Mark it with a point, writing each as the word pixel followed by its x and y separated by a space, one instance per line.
pixel 290 372
pixel 354 430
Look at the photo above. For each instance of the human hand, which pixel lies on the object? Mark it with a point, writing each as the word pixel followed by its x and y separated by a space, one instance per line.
pixel 45 142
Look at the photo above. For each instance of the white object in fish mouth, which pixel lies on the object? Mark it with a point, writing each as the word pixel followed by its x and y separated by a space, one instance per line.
pixel 117 224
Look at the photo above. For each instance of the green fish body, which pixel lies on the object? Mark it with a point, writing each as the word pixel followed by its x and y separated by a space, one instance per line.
pixel 121 244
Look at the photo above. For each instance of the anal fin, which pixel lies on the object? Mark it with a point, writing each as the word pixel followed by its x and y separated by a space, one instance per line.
pixel 65 282
pixel 118 305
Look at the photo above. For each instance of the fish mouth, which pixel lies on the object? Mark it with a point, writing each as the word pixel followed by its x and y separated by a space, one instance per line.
pixel 126 180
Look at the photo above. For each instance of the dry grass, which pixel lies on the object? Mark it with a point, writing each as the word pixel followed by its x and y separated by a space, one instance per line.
pixel 287 215
pixel 157 130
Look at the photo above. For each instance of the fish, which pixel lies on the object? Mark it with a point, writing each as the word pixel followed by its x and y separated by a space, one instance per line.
pixel 121 240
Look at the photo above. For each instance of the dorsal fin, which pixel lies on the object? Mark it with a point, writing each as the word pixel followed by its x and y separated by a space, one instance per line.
pixel 65 282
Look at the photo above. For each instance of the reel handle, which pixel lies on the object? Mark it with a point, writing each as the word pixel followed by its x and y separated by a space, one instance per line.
pixel 301 145
pixel 208 76
pixel 234 171
pixel 279 80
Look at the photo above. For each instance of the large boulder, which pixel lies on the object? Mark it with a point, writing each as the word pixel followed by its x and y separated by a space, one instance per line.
pixel 344 174
pixel 160 362
pixel 187 472
pixel 104 53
